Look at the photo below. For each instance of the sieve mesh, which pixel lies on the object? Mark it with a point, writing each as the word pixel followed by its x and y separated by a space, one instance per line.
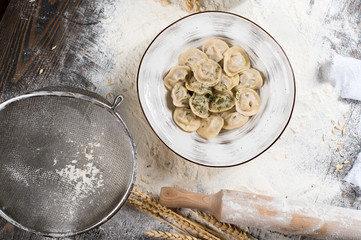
pixel 67 162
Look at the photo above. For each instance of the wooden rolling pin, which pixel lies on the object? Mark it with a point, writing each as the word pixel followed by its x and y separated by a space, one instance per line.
pixel 265 212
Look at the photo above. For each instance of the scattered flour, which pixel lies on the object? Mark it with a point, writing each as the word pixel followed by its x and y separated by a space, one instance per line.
pixel 55 161
pixel 77 177
pixel 85 179
pixel 17 175
pixel 299 165
pixel 78 181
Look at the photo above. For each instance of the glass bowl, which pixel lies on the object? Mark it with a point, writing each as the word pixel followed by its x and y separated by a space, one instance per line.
pixel 230 147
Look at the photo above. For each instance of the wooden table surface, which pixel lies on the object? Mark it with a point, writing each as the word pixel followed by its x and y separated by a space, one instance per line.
pixel 40 44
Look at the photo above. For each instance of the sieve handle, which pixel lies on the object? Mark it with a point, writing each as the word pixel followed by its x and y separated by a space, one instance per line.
pixel 117 101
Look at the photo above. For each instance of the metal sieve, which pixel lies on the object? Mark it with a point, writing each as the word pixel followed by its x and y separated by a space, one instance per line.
pixel 67 162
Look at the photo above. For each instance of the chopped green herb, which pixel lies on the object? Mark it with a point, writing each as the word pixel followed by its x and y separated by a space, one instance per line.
pixel 211 98
pixel 220 101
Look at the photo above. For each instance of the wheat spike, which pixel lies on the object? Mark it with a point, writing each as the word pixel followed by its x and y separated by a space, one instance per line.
pixel 192 5
pixel 165 3
pixel 155 209
pixel 150 205
pixel 225 227
pixel 168 235
pixel 139 206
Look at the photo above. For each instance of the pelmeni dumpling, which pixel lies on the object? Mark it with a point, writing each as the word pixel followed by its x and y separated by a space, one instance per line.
pixel 235 81
pixel 178 73
pixel 191 56
pixel 180 95
pixel 211 126
pixel 251 78
pixel 233 119
pixel 199 105
pixel 186 120
pixel 215 49
pixel 221 101
pixel 214 88
pixel 247 101
pixel 235 60
pixel 207 71
pixel 201 88
pixel 226 82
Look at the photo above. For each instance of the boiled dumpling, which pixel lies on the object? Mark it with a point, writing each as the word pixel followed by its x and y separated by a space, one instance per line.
pixel 199 105
pixel 221 101
pixel 201 88
pixel 211 126
pixel 226 82
pixel 235 60
pixel 191 56
pixel 178 73
pixel 215 49
pixel 247 101
pixel 235 81
pixel 251 78
pixel 213 89
pixel 233 119
pixel 186 120
pixel 207 71
pixel 180 95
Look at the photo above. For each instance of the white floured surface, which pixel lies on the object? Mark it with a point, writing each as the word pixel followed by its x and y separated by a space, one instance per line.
pixel 299 164
pixel 284 170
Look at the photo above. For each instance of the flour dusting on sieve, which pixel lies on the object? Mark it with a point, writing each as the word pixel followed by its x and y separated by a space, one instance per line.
pixel 76 173
pixel 17 175
pixel 85 179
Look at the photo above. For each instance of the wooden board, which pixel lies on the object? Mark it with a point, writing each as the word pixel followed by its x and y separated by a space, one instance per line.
pixel 40 43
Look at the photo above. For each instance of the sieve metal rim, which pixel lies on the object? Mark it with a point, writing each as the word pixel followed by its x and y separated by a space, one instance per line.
pixel 112 110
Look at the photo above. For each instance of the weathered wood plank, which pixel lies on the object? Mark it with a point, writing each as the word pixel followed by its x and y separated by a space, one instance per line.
pixel 41 43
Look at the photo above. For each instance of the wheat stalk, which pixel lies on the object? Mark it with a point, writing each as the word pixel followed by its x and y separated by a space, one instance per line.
pixel 224 227
pixel 168 235
pixel 155 209
pixel 143 196
pixel 192 5
pixel 139 205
